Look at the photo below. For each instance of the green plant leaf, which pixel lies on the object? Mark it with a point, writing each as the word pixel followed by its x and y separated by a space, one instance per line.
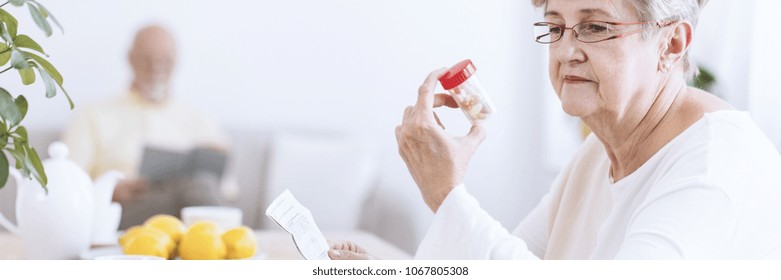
pixel 49 15
pixel 22 132
pixel 28 75
pixel 21 104
pixel 3 169
pixel 19 155
pixel 4 33
pixel 40 20
pixel 46 66
pixel 26 160
pixel 51 86
pixel 3 136
pixel 5 55
pixel 52 72
pixel 18 60
pixel 24 41
pixel 8 109
pixel 38 171
pixel 19 137
pixel 68 96
pixel 10 23
pixel 18 3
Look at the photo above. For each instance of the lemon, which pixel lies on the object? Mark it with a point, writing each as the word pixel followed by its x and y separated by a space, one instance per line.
pixel 204 226
pixel 240 243
pixel 202 244
pixel 168 224
pixel 128 233
pixel 149 242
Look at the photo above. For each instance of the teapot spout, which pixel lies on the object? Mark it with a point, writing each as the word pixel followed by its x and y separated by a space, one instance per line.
pixel 104 186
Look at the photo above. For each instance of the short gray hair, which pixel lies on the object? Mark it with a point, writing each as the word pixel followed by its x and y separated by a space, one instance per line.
pixel 665 10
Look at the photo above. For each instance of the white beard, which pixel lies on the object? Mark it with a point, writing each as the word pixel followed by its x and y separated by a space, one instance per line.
pixel 157 92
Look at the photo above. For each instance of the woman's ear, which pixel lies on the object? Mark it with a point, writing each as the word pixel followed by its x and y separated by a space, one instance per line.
pixel 677 42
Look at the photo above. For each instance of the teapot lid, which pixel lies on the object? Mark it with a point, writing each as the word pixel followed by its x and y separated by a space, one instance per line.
pixel 62 171
pixel 58 150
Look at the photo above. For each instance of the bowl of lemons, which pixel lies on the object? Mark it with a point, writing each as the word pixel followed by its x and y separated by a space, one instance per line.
pixel 166 237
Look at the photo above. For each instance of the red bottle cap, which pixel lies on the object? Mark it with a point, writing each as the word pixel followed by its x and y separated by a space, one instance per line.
pixel 457 74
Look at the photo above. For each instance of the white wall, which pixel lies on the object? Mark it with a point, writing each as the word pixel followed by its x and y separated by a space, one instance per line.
pixel 350 65
pixel 739 42
pixel 764 90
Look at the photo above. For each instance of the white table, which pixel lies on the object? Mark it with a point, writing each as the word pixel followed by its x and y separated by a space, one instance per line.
pixel 276 244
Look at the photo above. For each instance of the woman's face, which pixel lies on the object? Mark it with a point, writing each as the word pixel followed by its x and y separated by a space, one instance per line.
pixel 609 78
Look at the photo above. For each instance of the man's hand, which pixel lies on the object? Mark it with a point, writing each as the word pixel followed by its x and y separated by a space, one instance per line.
pixel 130 190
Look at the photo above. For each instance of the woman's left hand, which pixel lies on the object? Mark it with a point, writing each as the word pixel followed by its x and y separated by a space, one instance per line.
pixel 436 160
pixel 346 250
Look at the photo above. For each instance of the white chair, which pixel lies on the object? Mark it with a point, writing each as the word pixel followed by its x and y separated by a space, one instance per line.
pixel 329 174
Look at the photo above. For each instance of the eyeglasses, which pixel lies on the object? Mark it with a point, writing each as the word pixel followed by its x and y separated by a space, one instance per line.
pixel 590 31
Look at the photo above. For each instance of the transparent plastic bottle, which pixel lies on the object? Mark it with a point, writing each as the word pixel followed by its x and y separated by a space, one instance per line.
pixel 462 83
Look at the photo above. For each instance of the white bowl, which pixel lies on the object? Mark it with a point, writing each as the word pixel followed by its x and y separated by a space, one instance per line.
pixel 95 253
pixel 224 217
pixel 129 257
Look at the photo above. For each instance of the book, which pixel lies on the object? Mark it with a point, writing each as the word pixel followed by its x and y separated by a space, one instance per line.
pixel 160 164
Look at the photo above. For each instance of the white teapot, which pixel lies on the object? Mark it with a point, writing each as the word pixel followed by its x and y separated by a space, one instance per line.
pixel 59 225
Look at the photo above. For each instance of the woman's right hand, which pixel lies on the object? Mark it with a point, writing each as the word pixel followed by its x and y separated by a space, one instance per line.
pixel 347 250
pixel 436 161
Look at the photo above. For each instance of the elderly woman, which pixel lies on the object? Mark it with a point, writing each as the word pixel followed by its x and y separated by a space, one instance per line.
pixel 670 171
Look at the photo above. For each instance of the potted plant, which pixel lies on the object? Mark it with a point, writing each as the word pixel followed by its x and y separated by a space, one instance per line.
pixel 26 57
pixel 705 80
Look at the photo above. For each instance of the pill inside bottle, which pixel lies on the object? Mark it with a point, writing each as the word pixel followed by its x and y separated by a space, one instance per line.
pixel 462 83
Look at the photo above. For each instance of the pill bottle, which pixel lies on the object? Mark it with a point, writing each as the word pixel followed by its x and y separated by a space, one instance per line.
pixel 462 83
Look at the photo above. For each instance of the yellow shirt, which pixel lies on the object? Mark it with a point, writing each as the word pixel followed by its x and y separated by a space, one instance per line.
pixel 112 134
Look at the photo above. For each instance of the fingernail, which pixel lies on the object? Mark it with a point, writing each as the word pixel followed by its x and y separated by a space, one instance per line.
pixel 336 253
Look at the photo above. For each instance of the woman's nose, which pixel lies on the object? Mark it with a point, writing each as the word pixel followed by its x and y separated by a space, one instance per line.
pixel 568 49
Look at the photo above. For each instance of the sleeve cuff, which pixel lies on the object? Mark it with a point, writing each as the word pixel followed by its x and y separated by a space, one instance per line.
pixel 462 230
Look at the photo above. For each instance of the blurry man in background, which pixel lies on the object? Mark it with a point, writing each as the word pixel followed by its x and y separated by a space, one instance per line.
pixel 112 135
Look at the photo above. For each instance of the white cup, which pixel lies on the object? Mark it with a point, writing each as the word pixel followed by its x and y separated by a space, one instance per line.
pixel 224 217
pixel 106 223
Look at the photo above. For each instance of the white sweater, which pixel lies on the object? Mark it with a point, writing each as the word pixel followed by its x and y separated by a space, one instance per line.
pixel 713 192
